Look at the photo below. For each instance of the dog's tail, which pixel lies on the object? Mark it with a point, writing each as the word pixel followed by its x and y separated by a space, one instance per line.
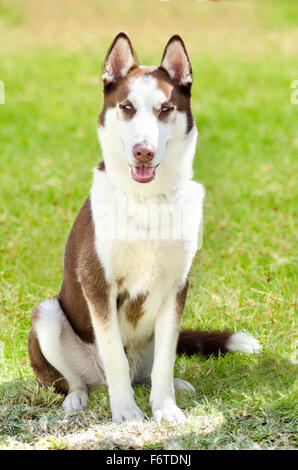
pixel 214 342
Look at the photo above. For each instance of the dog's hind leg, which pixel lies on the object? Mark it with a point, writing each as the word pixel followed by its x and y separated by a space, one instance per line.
pixel 59 357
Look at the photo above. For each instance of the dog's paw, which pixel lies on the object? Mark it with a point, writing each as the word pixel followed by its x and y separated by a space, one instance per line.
pixel 180 384
pixel 129 412
pixel 168 411
pixel 76 400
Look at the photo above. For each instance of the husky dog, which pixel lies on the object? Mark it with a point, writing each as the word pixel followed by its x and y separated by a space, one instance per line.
pixel 116 319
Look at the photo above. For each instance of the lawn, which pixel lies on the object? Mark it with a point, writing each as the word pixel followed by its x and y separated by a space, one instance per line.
pixel 244 57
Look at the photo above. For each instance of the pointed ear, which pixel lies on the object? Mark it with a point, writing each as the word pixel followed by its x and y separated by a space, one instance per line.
pixel 119 60
pixel 176 62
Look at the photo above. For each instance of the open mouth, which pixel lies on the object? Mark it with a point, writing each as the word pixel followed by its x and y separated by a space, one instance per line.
pixel 143 173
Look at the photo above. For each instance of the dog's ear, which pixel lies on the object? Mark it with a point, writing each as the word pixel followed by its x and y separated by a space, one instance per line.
pixel 176 62
pixel 119 60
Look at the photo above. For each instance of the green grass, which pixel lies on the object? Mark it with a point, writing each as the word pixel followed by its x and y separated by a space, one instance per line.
pixel 244 277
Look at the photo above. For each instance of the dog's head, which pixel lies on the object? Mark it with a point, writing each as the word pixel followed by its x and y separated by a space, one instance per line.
pixel 146 126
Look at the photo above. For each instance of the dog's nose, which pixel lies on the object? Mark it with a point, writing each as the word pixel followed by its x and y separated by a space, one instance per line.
pixel 143 152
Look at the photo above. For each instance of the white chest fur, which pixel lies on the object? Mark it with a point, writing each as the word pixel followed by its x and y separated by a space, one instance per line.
pixel 149 242
pixel 150 256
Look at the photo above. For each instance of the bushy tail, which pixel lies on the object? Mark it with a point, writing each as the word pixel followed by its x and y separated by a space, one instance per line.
pixel 212 342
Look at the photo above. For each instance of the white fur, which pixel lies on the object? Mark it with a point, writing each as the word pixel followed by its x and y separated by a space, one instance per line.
pixel 156 267
pixel 243 342
pixel 162 396
pixel 146 97
pixel 174 147
pixel 115 363
pixel 76 400
pixel 144 266
pixel 77 361
pixel 153 267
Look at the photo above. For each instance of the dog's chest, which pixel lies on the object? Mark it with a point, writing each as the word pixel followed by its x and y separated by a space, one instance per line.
pixel 144 264
pixel 145 272
pixel 143 244
pixel 141 264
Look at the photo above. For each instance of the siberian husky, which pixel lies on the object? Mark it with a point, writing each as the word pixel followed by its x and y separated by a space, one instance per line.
pixel 116 319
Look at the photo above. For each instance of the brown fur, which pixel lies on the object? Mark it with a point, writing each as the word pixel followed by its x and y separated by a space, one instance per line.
pixel 133 307
pixel 207 342
pixel 179 96
pixel 181 299
pixel 101 166
pixel 122 298
pixel 83 276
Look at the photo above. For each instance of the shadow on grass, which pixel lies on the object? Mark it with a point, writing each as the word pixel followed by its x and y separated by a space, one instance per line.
pixel 235 396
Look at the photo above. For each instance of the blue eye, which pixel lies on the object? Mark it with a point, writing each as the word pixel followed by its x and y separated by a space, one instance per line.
pixel 126 107
pixel 167 109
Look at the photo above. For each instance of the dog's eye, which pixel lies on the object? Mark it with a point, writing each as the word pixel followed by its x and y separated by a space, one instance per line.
pixel 126 107
pixel 166 109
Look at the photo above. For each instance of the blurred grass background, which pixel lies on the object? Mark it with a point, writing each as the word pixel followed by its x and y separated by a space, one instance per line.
pixel 244 57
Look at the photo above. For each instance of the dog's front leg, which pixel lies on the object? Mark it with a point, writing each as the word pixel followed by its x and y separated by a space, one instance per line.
pixel 162 395
pixel 105 322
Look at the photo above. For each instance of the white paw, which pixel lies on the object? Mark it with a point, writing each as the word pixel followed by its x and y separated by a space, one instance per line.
pixel 76 400
pixel 128 412
pixel 168 411
pixel 180 384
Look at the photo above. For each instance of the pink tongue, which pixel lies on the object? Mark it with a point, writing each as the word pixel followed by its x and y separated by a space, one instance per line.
pixel 143 172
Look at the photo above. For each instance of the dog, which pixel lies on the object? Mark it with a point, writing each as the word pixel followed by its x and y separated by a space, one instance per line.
pixel 116 319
